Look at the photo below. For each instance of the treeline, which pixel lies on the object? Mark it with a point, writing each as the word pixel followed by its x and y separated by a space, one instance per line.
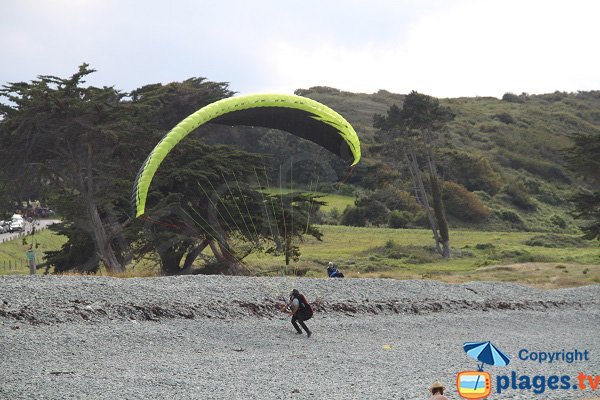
pixel 514 163
pixel 78 148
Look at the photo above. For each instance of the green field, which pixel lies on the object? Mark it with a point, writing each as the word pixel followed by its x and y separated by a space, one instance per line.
pixel 402 254
pixel 12 253
pixel 338 201
pixel 477 255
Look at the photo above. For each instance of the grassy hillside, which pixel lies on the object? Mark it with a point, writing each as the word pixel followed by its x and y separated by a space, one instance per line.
pixel 519 139
pixel 527 257
pixel 537 121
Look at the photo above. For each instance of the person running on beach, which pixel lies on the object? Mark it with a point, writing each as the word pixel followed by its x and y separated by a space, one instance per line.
pixel 300 310
pixel 437 392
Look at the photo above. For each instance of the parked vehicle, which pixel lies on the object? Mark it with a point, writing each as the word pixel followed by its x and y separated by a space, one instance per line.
pixel 17 223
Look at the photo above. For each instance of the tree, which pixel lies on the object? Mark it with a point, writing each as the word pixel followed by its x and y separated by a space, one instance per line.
pixel 196 201
pixel 413 133
pixel 82 147
pixel 68 138
pixel 290 222
pixel 5 198
pixel 75 253
pixel 583 158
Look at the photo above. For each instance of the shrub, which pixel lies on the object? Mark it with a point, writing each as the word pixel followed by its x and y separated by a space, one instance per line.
pixel 505 118
pixel 533 186
pixel 463 204
pixel 409 254
pixel 521 256
pixel 419 220
pixel 317 89
pixel 337 188
pixel 353 216
pixel 518 195
pixel 551 197
pixel 326 218
pixel 367 212
pixel 396 199
pixel 545 169
pixel 552 240
pixel 558 221
pixel 489 128
pixel 485 196
pixel 475 172
pixel 375 176
pixel 512 98
pixel 509 216
pixel 554 97
pixel 375 212
pixel 400 219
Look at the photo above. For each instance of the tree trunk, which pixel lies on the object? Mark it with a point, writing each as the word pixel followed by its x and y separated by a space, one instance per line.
pixel 117 237
pixel 90 266
pixel 288 244
pixel 103 244
pixel 234 266
pixel 170 260
pixel 415 172
pixel 229 265
pixel 438 207
pixel 99 234
pixel 193 255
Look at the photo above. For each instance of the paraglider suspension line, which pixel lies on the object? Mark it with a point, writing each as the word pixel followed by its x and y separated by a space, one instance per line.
pixel 236 204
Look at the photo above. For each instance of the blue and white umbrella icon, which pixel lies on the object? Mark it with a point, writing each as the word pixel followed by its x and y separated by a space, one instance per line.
pixel 487 353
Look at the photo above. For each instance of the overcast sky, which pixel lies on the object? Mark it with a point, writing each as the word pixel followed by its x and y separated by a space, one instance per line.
pixel 442 48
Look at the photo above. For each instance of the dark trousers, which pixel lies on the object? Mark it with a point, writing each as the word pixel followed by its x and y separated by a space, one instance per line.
pixel 300 321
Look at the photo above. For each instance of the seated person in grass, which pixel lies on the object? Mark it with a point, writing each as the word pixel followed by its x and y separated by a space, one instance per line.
pixel 333 272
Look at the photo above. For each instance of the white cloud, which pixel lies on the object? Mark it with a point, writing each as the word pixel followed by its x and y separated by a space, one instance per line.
pixel 443 48
pixel 473 48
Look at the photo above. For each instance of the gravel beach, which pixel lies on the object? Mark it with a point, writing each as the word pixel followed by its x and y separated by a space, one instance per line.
pixel 217 337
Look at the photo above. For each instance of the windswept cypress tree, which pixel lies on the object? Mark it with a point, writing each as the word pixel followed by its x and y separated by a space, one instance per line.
pixel 584 159
pixel 413 134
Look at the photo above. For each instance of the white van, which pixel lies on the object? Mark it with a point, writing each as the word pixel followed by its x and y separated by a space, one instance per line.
pixel 17 223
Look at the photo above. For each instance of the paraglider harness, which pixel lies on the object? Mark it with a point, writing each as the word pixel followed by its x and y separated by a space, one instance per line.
pixel 333 272
pixel 305 311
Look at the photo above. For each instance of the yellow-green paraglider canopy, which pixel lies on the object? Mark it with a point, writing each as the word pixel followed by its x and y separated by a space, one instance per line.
pixel 301 116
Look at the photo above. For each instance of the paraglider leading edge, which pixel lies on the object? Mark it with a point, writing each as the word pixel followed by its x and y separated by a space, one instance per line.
pixel 301 116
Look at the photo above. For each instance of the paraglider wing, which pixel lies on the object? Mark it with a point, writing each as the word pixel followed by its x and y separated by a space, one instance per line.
pixel 298 115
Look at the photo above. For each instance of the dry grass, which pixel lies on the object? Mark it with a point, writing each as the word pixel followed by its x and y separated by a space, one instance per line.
pixel 543 275
pixel 538 275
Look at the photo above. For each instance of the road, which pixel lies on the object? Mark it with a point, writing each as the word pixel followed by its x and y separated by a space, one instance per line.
pixel 39 224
